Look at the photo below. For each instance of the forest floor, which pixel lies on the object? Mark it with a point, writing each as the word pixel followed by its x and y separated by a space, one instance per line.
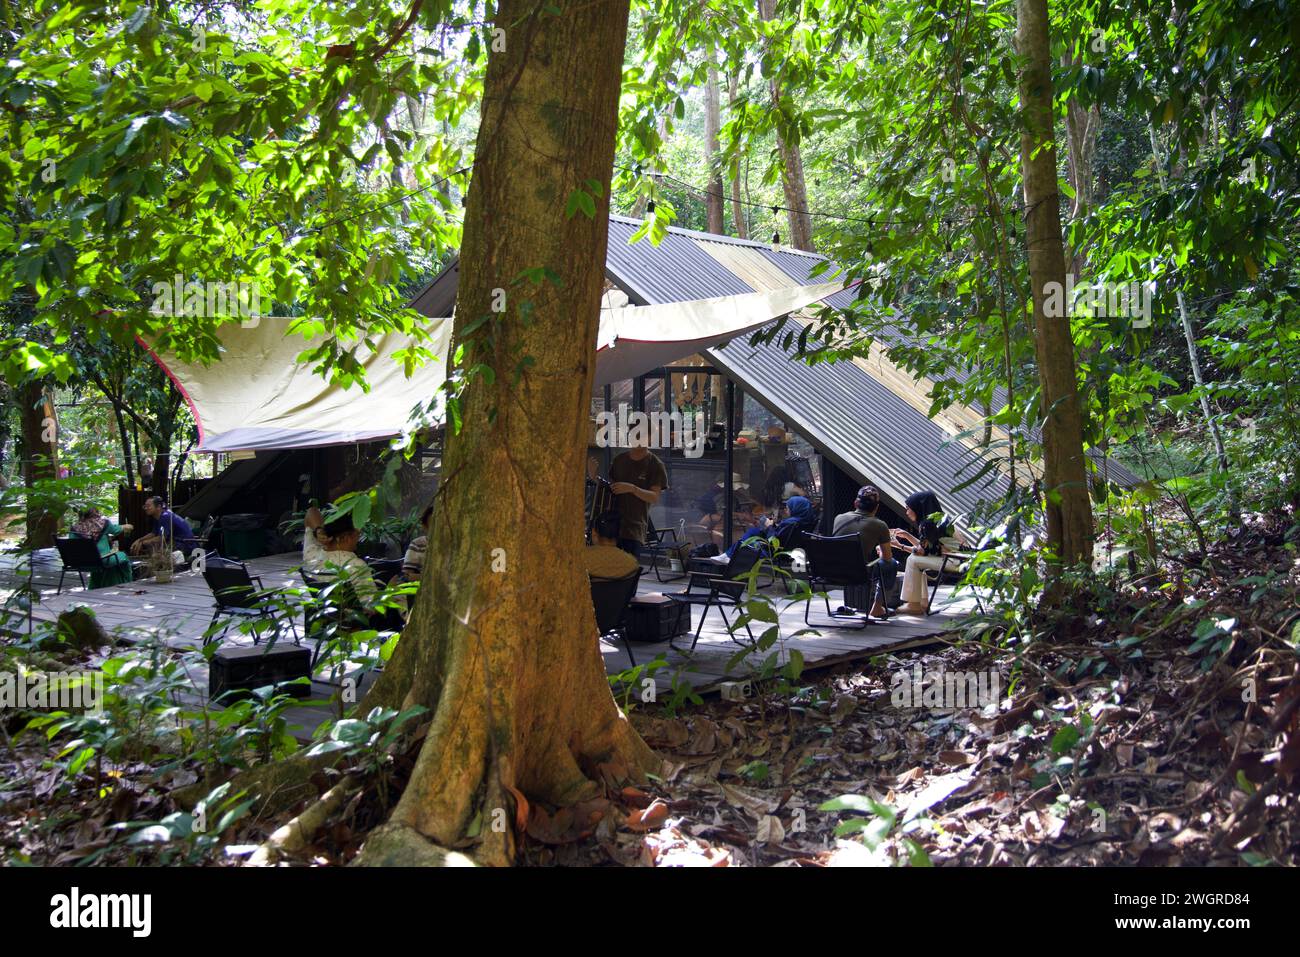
pixel 1162 728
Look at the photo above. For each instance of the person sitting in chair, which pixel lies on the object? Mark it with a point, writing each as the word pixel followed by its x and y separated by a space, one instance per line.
pixel 926 548
pixel 755 534
pixel 313 552
pixel 169 531
pixel 94 527
pixel 800 517
pixel 603 557
pixel 339 537
pixel 875 537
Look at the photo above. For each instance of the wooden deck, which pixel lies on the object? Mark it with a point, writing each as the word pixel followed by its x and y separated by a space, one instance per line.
pixel 179 612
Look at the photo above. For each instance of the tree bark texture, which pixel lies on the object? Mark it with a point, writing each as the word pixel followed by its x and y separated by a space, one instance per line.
pixel 1068 507
pixel 502 646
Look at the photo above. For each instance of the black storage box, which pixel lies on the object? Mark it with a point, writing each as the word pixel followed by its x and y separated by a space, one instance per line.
pixel 235 672
pixel 656 617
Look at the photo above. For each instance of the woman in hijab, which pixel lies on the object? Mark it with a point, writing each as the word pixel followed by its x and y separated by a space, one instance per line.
pixel 926 548
pixel 802 519
pixel 94 527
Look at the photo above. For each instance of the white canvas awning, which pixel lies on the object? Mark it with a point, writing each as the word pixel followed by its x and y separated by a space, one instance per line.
pixel 259 397
pixel 636 339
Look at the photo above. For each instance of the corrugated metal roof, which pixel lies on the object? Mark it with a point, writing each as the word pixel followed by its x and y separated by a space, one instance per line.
pixel 863 427
pixel 849 415
pixel 676 270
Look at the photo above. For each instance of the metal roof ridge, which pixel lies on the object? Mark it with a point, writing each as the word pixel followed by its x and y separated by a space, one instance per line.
pixel 719 238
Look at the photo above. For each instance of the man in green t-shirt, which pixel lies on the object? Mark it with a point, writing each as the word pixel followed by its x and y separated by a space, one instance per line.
pixel 636 478
pixel 875 538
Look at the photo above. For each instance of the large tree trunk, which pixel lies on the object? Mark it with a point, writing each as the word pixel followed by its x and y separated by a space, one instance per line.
pixel 792 178
pixel 714 199
pixel 502 646
pixel 1069 510
pixel 40 458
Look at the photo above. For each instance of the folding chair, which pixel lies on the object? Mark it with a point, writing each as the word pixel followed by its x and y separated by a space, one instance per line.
pixel 239 594
pixel 960 565
pixel 79 555
pixel 656 543
pixel 718 591
pixel 837 562
pixel 610 598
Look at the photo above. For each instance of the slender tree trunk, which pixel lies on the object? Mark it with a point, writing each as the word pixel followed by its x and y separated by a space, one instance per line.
pixel 1082 124
pixel 6 428
pixel 502 647
pixel 1068 507
pixel 40 457
pixel 128 466
pixel 792 178
pixel 1194 359
pixel 737 207
pixel 715 199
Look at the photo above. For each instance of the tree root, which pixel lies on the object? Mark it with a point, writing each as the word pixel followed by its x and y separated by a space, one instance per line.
pixel 396 845
pixel 294 837
pixel 277 786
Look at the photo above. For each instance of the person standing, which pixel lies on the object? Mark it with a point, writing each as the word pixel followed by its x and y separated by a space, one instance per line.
pixel 637 477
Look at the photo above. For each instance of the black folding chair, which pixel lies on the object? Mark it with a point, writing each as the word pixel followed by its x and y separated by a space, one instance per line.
pixel 203 534
pixel 656 543
pixel 610 598
pixel 958 563
pixel 79 555
pixel 239 594
pixel 718 591
pixel 384 569
pixel 837 562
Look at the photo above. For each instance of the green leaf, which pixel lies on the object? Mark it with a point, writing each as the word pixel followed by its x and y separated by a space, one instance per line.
pixel 1065 739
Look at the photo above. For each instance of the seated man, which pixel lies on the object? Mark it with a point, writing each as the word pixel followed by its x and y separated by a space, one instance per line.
pixel 875 537
pixel 339 537
pixel 603 556
pixel 169 530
